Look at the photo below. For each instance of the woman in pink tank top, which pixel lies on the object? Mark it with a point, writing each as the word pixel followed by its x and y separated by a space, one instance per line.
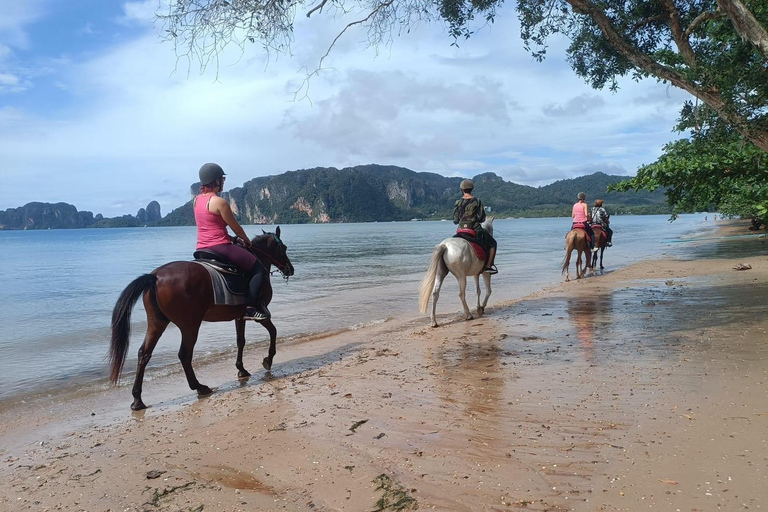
pixel 212 216
pixel 580 216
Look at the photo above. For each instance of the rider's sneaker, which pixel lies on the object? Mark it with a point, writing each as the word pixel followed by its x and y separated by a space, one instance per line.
pixel 594 249
pixel 491 270
pixel 257 314
pixel 609 244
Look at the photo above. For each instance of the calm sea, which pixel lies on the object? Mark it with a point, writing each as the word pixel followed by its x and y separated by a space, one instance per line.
pixel 59 286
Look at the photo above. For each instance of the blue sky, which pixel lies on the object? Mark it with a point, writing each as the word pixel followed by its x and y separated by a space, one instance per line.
pixel 95 110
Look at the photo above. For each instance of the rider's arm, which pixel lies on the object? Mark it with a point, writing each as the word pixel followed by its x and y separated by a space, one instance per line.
pixel 481 214
pixel 456 218
pixel 587 213
pixel 221 206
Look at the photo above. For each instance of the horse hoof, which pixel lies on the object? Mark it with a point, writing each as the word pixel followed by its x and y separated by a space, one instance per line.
pixel 469 317
pixel 204 390
pixel 242 374
pixel 434 324
pixel 138 405
pixel 481 311
pixel 266 364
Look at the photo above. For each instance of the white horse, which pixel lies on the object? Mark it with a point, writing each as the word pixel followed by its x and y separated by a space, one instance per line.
pixel 455 255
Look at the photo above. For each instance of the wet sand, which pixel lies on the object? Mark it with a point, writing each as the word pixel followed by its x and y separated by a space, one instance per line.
pixel 643 388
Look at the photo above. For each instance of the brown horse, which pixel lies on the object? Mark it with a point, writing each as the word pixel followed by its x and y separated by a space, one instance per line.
pixel 601 242
pixel 181 292
pixel 576 239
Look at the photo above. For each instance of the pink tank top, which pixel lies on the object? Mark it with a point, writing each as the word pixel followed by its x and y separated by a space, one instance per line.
pixel 578 213
pixel 211 228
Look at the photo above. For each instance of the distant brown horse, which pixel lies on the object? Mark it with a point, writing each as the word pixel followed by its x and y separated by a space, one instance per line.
pixel 181 292
pixel 601 242
pixel 576 239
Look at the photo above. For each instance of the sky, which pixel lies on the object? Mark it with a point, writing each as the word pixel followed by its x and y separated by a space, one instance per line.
pixel 97 111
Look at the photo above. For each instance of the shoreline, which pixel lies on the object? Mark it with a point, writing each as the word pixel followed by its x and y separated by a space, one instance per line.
pixel 544 404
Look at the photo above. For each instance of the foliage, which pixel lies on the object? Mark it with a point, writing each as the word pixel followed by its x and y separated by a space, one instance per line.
pixel 716 170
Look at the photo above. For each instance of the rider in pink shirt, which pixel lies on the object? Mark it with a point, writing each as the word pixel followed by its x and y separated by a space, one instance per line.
pixel 212 216
pixel 581 218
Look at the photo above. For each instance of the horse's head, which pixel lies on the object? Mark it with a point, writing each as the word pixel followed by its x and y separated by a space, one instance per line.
pixel 488 225
pixel 270 249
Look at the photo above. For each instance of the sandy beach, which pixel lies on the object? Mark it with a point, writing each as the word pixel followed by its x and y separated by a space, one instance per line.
pixel 644 388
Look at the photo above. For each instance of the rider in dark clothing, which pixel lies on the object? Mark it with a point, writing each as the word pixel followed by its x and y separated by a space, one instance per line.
pixel 469 213
pixel 600 216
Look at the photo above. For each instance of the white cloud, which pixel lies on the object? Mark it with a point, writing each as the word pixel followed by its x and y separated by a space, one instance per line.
pixel 141 11
pixel 15 16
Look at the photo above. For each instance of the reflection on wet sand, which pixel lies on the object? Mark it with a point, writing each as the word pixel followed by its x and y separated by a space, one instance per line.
pixel 591 316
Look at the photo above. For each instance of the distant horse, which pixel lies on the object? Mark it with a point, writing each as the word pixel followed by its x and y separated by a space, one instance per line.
pixel 601 242
pixel 576 239
pixel 455 255
pixel 181 292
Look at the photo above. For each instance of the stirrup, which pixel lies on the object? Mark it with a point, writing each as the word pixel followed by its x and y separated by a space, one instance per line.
pixel 253 313
pixel 491 270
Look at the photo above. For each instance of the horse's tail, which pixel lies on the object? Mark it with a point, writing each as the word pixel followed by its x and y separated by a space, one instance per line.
pixel 121 322
pixel 569 243
pixel 428 281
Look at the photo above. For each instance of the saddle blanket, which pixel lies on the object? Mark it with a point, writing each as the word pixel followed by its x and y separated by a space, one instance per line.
pixel 227 291
pixel 469 236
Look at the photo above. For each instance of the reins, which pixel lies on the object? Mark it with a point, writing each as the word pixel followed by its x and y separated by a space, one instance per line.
pixel 259 253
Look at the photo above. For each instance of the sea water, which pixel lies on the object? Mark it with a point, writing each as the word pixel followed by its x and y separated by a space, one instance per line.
pixel 58 287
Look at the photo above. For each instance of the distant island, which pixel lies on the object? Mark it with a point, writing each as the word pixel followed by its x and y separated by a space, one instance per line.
pixel 362 193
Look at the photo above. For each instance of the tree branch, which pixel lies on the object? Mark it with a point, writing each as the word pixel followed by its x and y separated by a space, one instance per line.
pixel 681 40
pixel 318 6
pixel 746 25
pixel 643 62
pixel 701 18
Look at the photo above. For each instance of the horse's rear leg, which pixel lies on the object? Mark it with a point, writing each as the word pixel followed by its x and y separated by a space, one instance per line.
pixel 442 271
pixel 188 340
pixel 156 325
pixel 463 297
pixel 240 330
pixel 487 281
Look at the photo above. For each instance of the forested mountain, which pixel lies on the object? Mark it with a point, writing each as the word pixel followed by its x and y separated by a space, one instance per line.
pixel 385 193
pixel 363 193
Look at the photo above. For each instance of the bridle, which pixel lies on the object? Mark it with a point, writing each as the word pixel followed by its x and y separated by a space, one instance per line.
pixel 268 257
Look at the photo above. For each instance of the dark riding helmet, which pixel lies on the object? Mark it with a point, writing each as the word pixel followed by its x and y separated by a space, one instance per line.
pixel 210 173
pixel 467 185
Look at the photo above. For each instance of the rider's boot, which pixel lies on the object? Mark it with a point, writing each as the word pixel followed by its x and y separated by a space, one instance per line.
pixel 257 310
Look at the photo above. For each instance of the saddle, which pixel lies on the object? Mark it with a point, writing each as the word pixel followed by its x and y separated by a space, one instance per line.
pixel 470 236
pixel 581 225
pixel 228 281
pixel 596 227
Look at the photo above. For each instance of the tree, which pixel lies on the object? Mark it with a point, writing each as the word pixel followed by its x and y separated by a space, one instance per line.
pixel 715 50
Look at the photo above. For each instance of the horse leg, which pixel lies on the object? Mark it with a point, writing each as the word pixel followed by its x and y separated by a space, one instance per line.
pixel 463 296
pixel 270 327
pixel 487 281
pixel 156 326
pixel 188 340
pixel 578 263
pixel 477 286
pixel 601 258
pixel 242 373
pixel 442 271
